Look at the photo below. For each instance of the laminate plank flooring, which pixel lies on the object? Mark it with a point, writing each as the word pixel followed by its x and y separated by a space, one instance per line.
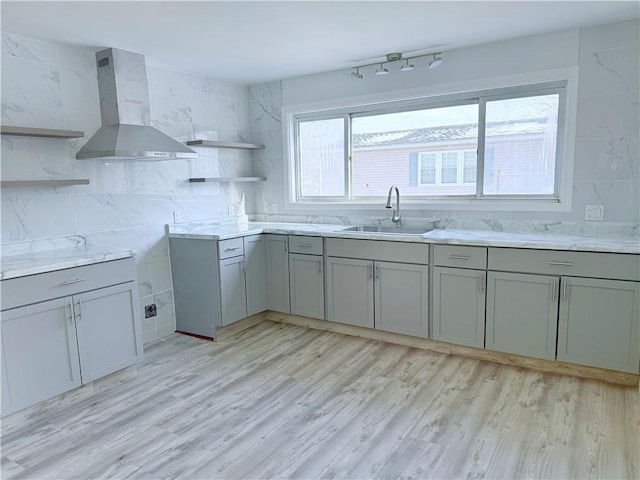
pixel 281 401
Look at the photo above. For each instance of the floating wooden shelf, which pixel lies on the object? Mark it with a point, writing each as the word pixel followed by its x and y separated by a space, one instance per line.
pixel 217 144
pixel 44 183
pixel 39 132
pixel 227 179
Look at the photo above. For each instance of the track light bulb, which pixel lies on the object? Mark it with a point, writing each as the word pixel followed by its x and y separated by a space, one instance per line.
pixel 356 74
pixel 436 62
pixel 407 67
pixel 382 70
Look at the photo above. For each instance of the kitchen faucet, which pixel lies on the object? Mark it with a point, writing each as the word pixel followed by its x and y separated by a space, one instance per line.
pixel 395 218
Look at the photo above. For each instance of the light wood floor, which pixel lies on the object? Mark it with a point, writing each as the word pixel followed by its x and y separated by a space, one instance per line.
pixel 280 401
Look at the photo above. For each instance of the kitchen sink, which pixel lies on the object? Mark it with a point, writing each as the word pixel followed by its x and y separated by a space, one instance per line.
pixel 387 230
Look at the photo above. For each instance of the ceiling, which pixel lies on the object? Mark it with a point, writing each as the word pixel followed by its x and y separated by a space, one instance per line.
pixel 255 42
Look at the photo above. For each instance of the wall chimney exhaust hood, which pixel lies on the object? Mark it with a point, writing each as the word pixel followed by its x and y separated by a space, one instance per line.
pixel 124 108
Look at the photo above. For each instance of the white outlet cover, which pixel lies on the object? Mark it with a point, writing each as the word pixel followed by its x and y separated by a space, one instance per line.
pixel 594 213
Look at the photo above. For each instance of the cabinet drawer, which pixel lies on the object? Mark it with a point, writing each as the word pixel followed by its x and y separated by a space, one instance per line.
pixel 460 256
pixel 230 248
pixel 579 264
pixel 303 244
pixel 379 250
pixel 61 283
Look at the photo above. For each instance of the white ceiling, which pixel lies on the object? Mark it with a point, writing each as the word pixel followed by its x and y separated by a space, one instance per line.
pixel 254 42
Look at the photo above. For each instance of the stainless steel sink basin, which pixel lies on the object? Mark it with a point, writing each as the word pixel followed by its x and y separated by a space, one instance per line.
pixel 387 230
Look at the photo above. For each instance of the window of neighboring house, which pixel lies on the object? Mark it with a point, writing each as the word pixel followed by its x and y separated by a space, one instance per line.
pixel 492 144
pixel 447 168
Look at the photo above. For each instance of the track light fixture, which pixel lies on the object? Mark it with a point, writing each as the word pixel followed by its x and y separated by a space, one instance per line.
pixel 395 57
pixel 382 70
pixel 407 67
pixel 436 62
pixel 356 74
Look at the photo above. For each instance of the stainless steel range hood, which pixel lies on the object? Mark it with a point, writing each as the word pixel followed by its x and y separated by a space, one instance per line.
pixel 124 107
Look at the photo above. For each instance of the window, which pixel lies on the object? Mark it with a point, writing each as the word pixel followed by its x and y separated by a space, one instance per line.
pixel 488 145
pixel 321 158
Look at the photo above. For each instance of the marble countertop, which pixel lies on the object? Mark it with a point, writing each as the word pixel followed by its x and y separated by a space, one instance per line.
pixel 621 244
pixel 14 266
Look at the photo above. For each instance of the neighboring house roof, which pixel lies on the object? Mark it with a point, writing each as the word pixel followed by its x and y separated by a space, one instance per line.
pixel 452 132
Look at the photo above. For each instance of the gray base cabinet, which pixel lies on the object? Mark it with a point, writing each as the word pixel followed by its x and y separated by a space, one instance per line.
pixel 400 294
pixel 522 314
pixel 57 344
pixel 217 283
pixel 387 296
pixel 306 285
pixel 459 306
pixel 378 284
pixel 598 323
pixel 277 252
pixel 350 291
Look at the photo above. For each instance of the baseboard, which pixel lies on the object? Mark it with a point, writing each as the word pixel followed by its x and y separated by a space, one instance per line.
pixel 550 366
pixel 237 327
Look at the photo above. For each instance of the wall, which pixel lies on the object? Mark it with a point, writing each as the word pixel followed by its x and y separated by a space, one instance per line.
pixel 606 165
pixel 126 204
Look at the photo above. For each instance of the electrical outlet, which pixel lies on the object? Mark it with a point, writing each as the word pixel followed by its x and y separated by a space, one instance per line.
pixel 150 311
pixel 594 213
pixel 177 216
pixel 273 207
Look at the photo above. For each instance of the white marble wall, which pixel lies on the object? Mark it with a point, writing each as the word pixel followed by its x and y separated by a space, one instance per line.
pixel 607 169
pixel 607 165
pixel 126 204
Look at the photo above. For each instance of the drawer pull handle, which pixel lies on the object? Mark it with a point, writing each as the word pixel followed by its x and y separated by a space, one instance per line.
pixel 370 270
pixel 319 267
pixel 231 249
pixel 71 282
pixel 561 264
pixel 303 245
pixel 459 257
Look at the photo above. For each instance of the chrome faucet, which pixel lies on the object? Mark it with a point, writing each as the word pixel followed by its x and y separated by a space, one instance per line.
pixel 395 218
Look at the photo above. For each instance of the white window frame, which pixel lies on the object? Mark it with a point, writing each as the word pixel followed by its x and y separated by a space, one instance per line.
pixel 566 139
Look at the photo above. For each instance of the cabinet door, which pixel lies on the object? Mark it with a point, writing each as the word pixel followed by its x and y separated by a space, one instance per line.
pixel 256 270
pixel 522 314
pixel 350 291
pixel 39 353
pixel 233 290
pixel 599 323
pixel 458 306
pixel 401 293
pixel 306 285
pixel 277 273
pixel 109 336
